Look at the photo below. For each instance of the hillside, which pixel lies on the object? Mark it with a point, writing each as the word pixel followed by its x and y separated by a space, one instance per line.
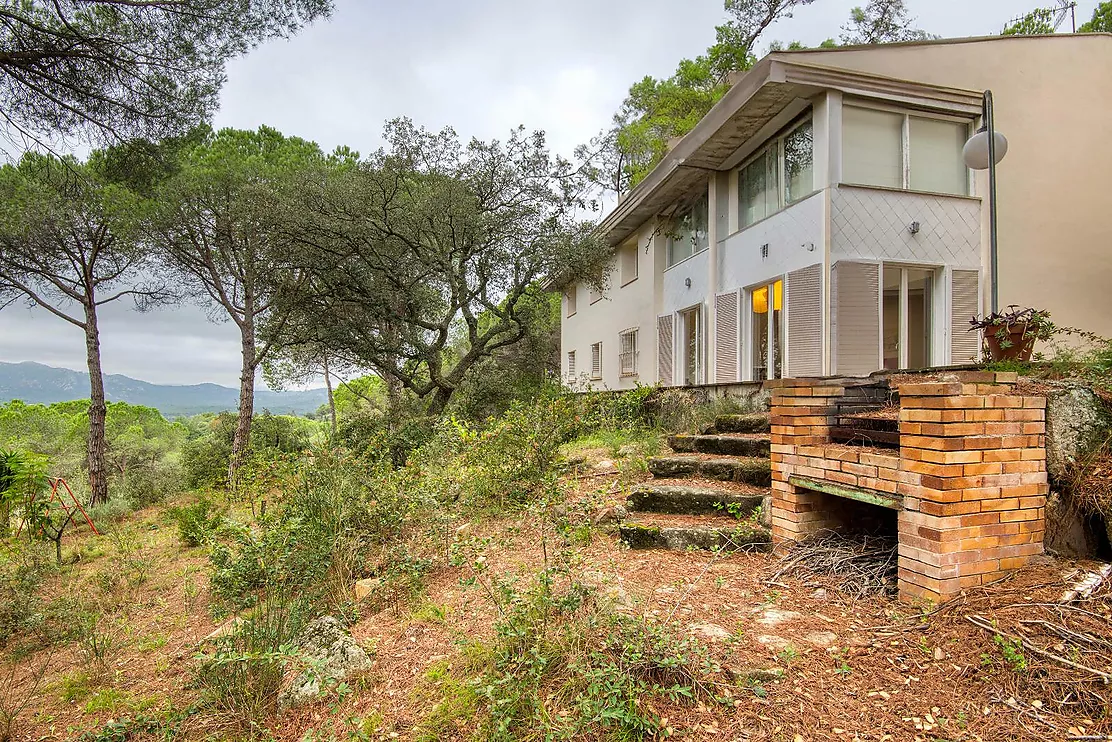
pixel 36 383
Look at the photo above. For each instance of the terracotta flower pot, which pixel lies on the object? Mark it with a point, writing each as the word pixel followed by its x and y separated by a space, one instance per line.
pixel 1019 348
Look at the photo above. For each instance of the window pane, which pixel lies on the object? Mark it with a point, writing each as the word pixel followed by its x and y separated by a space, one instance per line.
pixel 936 163
pixel 892 317
pixel 757 188
pixel 759 335
pixel 920 287
pixel 872 147
pixel 680 245
pixel 700 224
pixel 799 163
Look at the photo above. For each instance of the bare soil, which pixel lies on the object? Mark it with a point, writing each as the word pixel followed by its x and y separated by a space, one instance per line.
pixel 867 669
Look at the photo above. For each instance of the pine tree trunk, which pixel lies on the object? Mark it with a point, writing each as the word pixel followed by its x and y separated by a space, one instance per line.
pixel 98 411
pixel 242 439
pixel 331 399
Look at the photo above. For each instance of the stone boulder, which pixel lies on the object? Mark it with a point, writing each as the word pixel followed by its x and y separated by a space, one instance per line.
pixel 334 655
pixel 1076 423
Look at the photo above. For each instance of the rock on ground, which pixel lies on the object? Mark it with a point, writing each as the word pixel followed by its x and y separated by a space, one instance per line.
pixel 1076 422
pixel 326 644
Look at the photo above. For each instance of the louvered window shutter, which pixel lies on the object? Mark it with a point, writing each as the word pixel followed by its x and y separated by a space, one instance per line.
pixel 804 300
pixel 726 337
pixel 664 349
pixel 855 323
pixel 596 361
pixel 965 344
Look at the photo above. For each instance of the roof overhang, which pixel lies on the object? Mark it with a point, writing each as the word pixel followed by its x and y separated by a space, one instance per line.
pixel 772 88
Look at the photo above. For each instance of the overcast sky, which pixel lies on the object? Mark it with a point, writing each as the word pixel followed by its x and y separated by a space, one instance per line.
pixel 482 67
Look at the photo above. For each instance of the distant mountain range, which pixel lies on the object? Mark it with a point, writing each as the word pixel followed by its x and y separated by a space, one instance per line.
pixel 35 383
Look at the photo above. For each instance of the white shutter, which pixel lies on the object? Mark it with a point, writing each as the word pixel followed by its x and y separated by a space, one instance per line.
pixel 664 349
pixel 726 339
pixel 965 344
pixel 935 157
pixel 804 303
pixel 596 361
pixel 855 323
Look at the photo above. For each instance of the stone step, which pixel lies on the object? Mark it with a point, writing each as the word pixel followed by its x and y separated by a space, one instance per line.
pixel 727 444
pixel 755 422
pixel 740 501
pixel 744 470
pixel 683 532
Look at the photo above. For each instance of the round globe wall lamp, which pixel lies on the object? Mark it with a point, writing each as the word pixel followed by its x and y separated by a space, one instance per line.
pixel 983 151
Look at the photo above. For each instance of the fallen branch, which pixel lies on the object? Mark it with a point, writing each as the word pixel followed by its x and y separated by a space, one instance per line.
pixel 982 623
pixel 1087 585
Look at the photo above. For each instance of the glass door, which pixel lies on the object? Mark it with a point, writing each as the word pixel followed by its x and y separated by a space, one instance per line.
pixel 691 327
pixel 766 332
pixel 907 317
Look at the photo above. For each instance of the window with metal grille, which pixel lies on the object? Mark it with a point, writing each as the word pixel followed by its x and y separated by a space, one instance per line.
pixel 571 364
pixel 596 361
pixel 627 355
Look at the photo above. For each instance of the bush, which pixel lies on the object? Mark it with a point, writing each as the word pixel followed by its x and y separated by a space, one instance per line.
pixel 22 569
pixel 333 510
pixel 241 679
pixel 563 666
pixel 197 523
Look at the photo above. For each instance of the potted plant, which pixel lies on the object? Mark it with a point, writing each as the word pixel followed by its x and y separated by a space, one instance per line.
pixel 1011 335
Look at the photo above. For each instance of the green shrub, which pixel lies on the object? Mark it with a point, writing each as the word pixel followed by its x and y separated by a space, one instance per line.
pixel 241 679
pixel 562 666
pixel 22 568
pixel 198 523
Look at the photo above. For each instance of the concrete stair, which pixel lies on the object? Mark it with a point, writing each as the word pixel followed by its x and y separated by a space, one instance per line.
pixel 683 532
pixel 741 469
pixel 757 422
pixel 721 444
pixel 681 499
pixel 705 495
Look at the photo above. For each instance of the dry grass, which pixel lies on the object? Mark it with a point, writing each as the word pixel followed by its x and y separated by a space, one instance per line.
pixel 891 671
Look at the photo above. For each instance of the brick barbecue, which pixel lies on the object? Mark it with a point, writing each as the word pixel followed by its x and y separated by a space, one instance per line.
pixel 968 481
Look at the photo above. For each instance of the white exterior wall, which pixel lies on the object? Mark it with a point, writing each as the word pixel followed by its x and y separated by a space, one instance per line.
pixel 677 295
pixel 794 239
pixel 620 309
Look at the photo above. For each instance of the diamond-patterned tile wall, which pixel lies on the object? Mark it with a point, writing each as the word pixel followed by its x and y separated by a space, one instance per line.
pixel 872 223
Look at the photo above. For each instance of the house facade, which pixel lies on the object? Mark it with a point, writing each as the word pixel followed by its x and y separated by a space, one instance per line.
pixel 820 220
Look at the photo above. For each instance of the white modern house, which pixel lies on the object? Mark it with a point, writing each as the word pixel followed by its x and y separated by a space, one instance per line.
pixel 820 220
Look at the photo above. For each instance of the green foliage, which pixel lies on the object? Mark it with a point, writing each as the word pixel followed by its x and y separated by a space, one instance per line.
pixel 1101 20
pixel 1012 652
pixel 143 449
pixel 241 678
pixel 205 457
pixel 1038 21
pixel 22 569
pixel 561 667
pixel 881 22
pixel 198 523
pixel 334 510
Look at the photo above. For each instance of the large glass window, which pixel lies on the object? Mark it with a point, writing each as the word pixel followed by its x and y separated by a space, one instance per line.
pixel 936 163
pixel 799 163
pixel 690 232
pixel 758 185
pixel 781 174
pixel 872 151
pixel 874 145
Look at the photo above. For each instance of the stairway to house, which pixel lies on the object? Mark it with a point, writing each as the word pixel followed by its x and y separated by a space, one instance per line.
pixel 706 493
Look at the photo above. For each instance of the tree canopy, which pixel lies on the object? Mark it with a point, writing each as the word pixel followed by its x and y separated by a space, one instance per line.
pixel 423 256
pixel 114 69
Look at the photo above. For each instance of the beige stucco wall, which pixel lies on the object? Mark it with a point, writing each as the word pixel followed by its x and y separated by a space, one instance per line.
pixel 1054 103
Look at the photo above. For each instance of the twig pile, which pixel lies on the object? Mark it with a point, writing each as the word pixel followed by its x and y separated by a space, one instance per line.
pixel 859 565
